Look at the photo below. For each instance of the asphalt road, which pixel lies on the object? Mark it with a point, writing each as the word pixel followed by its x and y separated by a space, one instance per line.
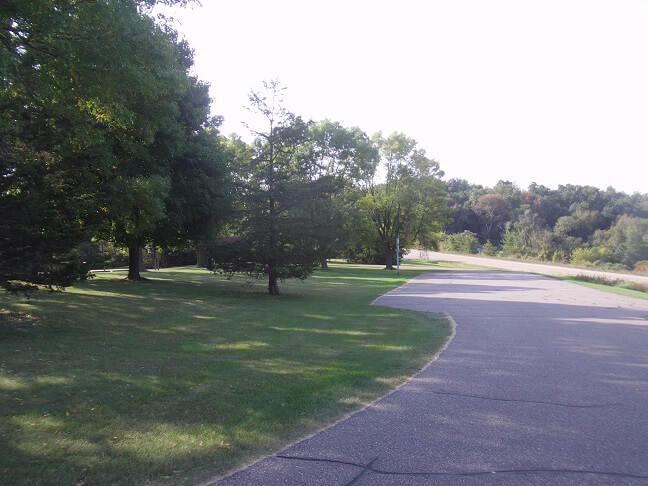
pixel 545 382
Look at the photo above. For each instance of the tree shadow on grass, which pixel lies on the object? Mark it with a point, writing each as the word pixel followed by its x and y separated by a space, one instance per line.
pixel 122 383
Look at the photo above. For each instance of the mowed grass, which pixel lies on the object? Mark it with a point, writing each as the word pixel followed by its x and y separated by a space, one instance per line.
pixel 189 375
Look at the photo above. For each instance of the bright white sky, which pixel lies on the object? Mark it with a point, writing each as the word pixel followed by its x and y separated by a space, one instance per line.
pixel 546 91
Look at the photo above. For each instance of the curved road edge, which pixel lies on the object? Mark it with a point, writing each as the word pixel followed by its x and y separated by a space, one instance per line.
pixel 432 358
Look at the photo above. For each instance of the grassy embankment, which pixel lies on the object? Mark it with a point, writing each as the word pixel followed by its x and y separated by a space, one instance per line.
pixel 630 289
pixel 189 375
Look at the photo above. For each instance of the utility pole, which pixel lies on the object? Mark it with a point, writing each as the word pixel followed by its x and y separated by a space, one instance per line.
pixel 397 256
pixel 103 256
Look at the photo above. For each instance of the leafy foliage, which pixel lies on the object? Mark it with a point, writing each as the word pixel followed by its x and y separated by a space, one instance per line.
pixel 101 134
pixel 336 160
pixel 581 224
pixel 494 211
pixel 410 204
pixel 89 122
pixel 464 242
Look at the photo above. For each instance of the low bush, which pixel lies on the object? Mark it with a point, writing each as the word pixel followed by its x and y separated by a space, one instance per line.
pixel 585 256
pixel 489 249
pixel 641 266
pixel 465 242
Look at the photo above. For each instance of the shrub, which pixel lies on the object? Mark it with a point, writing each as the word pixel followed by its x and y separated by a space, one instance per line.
pixel 639 287
pixel 616 267
pixel 511 245
pixel 641 266
pixel 465 242
pixel 559 256
pixel 489 249
pixel 598 280
pixel 173 257
pixel 584 256
pixel 96 254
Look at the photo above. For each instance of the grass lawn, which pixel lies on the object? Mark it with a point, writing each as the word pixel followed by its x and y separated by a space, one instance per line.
pixel 190 375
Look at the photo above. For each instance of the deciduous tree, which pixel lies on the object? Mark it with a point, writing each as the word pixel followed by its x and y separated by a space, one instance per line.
pixel 336 159
pixel 409 203
pixel 494 210
pixel 85 91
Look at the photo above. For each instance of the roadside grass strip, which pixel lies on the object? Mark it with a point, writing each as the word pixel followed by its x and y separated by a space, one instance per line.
pixel 616 286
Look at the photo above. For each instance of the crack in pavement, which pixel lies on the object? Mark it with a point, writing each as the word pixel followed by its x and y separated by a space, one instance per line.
pixel 521 400
pixel 370 467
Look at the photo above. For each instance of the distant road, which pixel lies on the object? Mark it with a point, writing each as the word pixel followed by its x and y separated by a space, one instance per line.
pixel 521 266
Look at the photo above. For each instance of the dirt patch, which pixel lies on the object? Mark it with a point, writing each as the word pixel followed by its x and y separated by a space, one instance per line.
pixel 10 319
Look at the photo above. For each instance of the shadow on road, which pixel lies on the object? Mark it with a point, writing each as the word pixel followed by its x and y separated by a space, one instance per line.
pixel 545 382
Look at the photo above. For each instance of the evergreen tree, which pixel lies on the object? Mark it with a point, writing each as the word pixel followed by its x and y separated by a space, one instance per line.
pixel 273 234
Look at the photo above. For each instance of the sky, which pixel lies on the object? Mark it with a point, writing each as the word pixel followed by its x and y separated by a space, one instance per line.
pixel 546 91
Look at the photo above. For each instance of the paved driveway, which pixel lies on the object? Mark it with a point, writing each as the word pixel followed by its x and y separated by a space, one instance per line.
pixel 545 382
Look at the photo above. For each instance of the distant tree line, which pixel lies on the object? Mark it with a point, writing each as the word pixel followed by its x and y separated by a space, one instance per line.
pixel 578 224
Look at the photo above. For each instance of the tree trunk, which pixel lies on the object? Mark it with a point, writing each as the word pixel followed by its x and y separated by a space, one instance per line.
pixel 273 286
pixel 134 254
pixel 201 255
pixel 140 259
pixel 324 263
pixel 389 257
pixel 388 262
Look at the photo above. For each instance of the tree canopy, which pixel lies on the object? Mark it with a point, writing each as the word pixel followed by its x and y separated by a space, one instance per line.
pixel 91 121
pixel 578 224
pixel 105 134
pixel 409 203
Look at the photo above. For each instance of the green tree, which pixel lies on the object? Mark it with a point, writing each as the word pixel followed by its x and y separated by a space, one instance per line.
pixel 410 204
pixel 494 211
pixel 464 242
pixel 576 229
pixel 199 200
pixel 336 160
pixel 77 101
pixel 549 223
pixel 139 201
pixel 511 192
pixel 489 249
pixel 528 237
pixel 273 234
pixel 178 194
pixel 628 240
pixel 461 197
